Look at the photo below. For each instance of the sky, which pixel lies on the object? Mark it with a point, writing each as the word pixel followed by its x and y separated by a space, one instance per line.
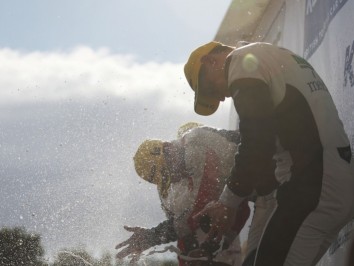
pixel 82 84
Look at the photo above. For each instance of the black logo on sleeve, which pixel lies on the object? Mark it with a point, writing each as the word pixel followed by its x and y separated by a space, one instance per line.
pixel 302 62
pixel 317 85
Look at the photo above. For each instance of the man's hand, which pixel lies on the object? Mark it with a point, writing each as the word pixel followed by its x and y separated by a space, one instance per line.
pixel 136 244
pixel 222 219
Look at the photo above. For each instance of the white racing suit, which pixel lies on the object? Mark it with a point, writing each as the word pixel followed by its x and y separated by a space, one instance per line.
pixel 292 140
pixel 209 158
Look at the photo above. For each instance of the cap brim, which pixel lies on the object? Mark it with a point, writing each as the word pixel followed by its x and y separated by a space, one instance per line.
pixel 164 186
pixel 202 105
pixel 205 105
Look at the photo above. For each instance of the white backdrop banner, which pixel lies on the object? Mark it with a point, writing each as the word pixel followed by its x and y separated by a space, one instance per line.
pixel 318 15
pixel 333 56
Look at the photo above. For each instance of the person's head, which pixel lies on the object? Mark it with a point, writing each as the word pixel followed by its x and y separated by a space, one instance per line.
pixel 205 74
pixel 151 164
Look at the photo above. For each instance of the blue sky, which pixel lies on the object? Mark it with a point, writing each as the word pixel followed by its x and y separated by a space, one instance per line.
pixel 152 30
pixel 82 84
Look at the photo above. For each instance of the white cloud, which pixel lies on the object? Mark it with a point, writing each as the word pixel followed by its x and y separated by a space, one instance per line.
pixel 86 73
pixel 66 154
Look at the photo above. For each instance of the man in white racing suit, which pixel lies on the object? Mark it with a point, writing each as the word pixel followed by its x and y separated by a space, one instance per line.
pixel 189 173
pixel 292 141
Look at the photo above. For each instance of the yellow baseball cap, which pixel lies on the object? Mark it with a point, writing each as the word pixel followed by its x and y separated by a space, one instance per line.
pixel 150 164
pixel 202 105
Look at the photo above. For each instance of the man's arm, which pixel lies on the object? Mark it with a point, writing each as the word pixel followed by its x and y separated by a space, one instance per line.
pixel 145 238
pixel 254 166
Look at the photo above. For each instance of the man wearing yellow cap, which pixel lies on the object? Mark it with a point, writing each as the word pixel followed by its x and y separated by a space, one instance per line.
pixel 189 174
pixel 292 141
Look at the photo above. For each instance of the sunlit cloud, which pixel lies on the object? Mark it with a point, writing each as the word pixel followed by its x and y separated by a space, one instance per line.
pixel 87 73
pixel 71 123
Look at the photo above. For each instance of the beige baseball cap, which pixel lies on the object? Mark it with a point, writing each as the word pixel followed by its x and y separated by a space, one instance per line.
pixel 202 105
